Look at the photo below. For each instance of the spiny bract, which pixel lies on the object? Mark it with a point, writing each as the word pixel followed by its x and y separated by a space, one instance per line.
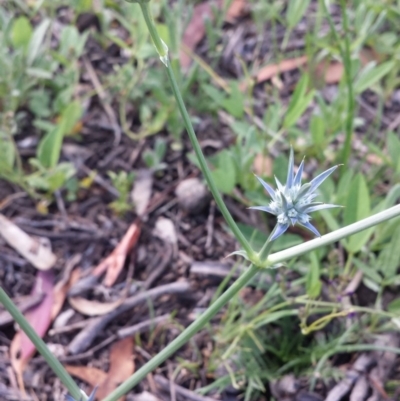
pixel 292 202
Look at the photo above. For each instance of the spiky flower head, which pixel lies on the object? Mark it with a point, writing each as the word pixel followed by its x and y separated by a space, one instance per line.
pixel 292 202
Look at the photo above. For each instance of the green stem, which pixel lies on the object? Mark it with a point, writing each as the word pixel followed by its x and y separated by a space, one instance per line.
pixel 334 236
pixel 348 77
pixel 185 336
pixel 161 47
pixel 51 360
pixel 345 54
pixel 266 249
pixel 192 136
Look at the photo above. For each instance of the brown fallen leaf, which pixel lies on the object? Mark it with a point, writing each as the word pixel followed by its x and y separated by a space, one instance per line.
pixel 196 29
pixel 271 70
pixel 330 73
pixel 31 249
pixel 88 374
pixel 122 366
pixel 21 348
pixel 114 263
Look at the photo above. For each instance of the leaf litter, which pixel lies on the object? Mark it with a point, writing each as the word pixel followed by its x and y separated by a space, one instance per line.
pixel 188 231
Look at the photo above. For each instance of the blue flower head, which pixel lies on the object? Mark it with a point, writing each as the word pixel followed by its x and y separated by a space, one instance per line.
pixel 292 202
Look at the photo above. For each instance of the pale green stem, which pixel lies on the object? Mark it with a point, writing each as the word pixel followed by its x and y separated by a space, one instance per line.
pixel 334 236
pixel 185 336
pixel 51 360
pixel 192 136
pixel 266 249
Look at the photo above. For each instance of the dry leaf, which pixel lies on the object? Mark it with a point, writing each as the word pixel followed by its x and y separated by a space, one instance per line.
pixel 141 191
pixel 196 29
pixel 88 374
pixel 262 165
pixel 114 263
pixel 30 248
pixel 331 73
pixel 95 308
pixel 271 70
pixel 21 348
pixel 122 366
pixel 70 277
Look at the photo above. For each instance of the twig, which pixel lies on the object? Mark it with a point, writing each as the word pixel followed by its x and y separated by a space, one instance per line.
pixel 210 225
pixel 142 326
pixel 156 273
pixel 96 325
pixel 103 98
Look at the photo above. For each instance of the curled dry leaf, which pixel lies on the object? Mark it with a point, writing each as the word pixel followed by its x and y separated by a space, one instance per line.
pixel 32 249
pixel 114 263
pixel 95 308
pixel 21 348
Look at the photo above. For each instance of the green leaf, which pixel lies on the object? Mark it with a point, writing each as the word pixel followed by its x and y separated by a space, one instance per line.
pixel 389 257
pixel 372 74
pixel 224 175
pixel 295 11
pixel 21 32
pixel 317 128
pixel 234 103
pixel 393 146
pixel 313 282
pixel 357 207
pixel 36 41
pixel 394 306
pixel 50 146
pixel 368 271
pixel 299 102
pixel 71 115
pixel 7 155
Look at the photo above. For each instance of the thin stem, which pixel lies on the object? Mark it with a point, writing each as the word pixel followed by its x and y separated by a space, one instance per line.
pixel 185 336
pixel 266 249
pixel 345 54
pixel 204 167
pixel 334 236
pixel 192 136
pixel 161 47
pixel 51 360
pixel 348 78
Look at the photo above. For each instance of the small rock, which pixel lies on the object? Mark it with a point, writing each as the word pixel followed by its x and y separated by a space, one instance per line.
pixel 192 195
